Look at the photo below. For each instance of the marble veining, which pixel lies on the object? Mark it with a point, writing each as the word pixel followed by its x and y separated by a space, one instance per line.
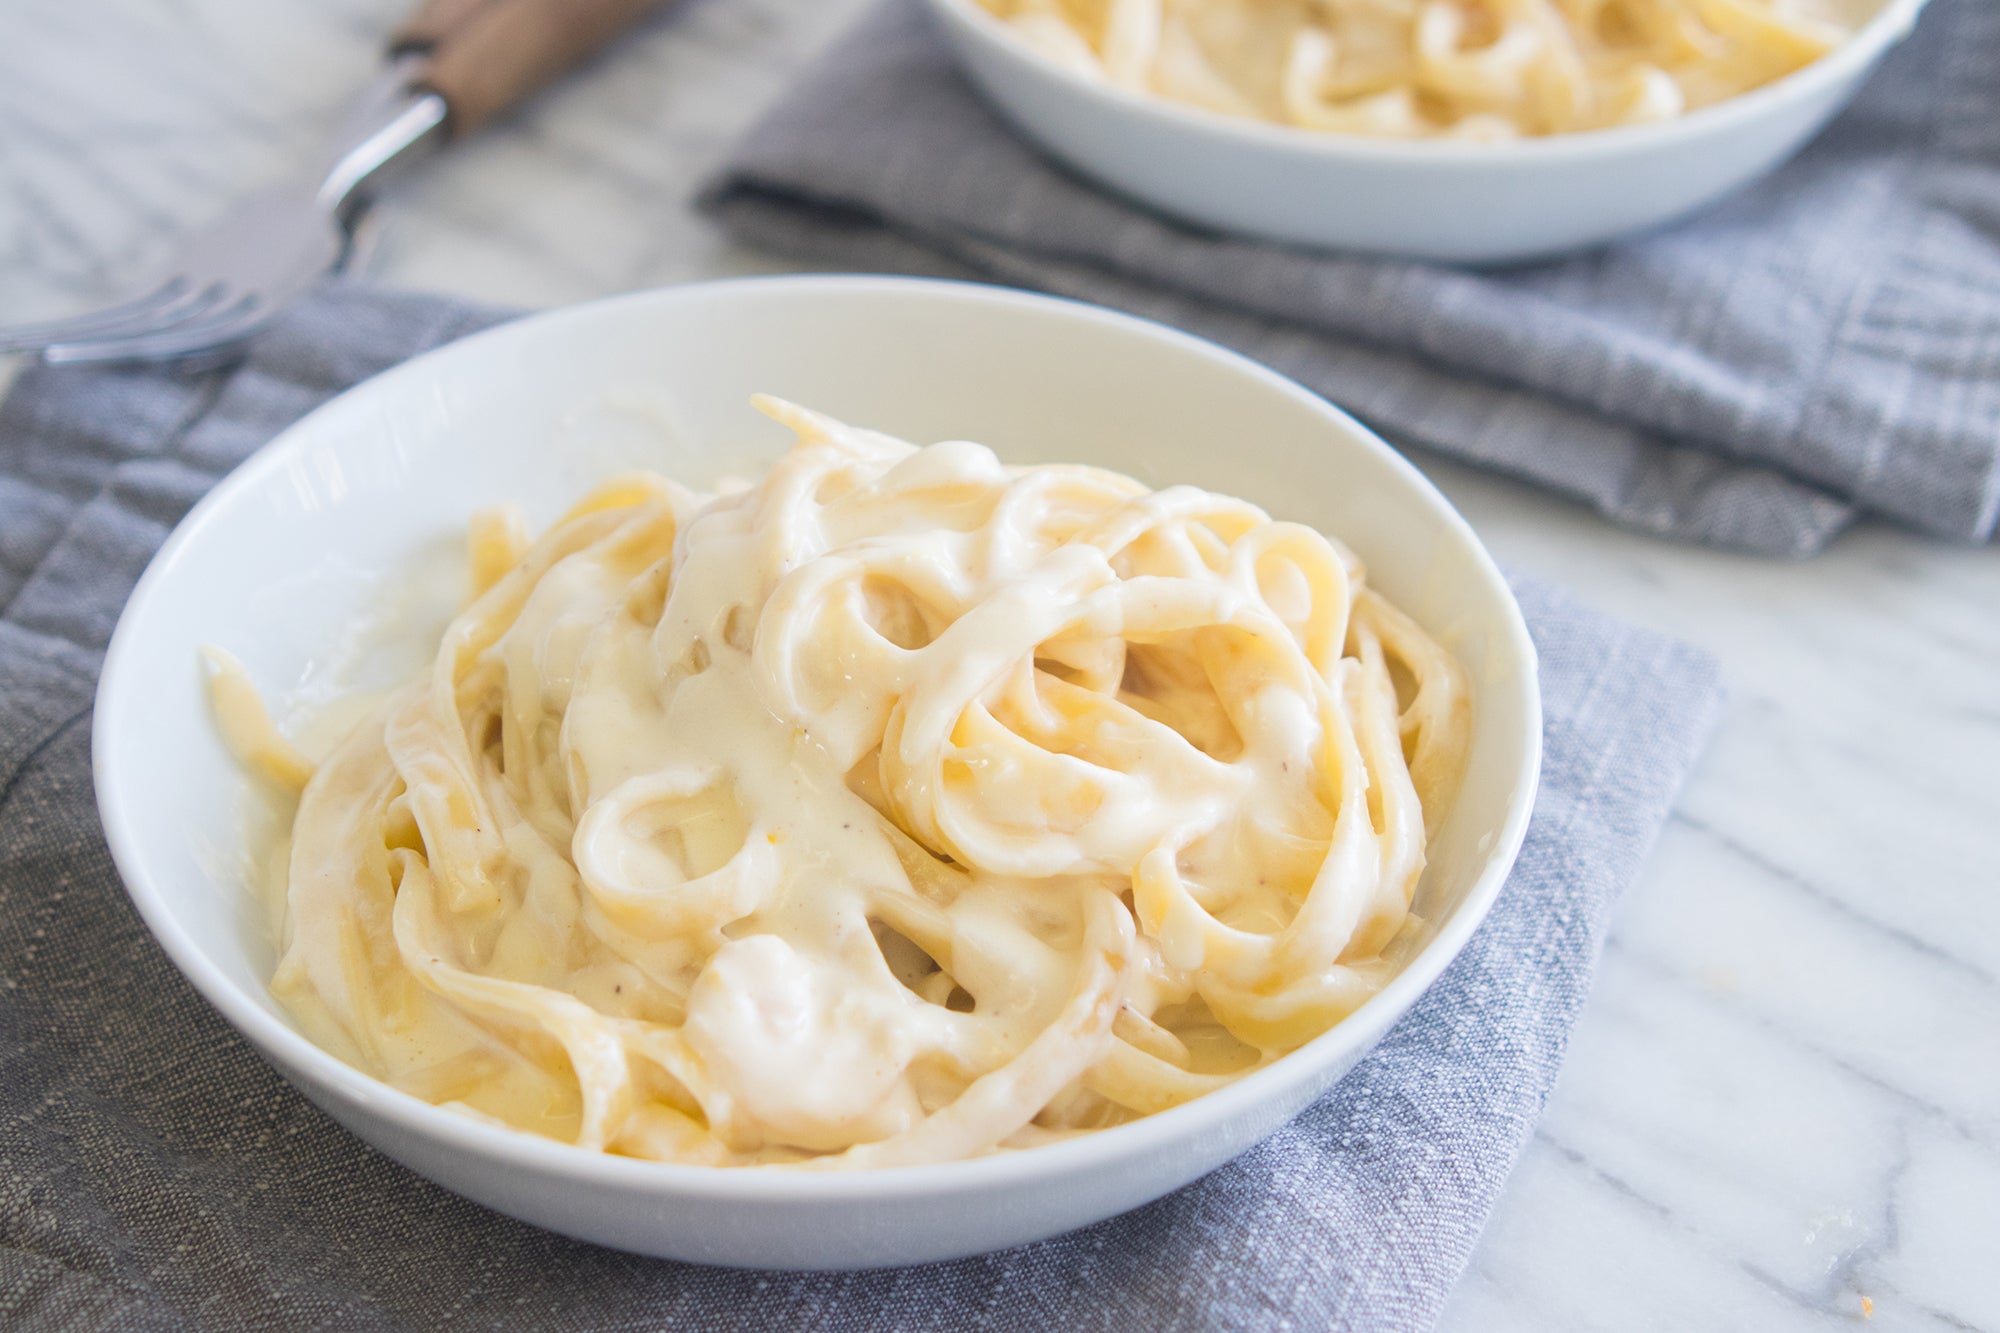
pixel 1784 1096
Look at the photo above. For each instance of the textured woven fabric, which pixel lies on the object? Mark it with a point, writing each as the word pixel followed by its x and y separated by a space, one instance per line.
pixel 1821 344
pixel 155 1174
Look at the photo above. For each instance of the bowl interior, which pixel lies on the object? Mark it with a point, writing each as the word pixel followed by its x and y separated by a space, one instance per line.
pixel 328 560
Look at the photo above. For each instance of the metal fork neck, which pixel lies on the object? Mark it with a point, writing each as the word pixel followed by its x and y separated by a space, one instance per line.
pixel 393 124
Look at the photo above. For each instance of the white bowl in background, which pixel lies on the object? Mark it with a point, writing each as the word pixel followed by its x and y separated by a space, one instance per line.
pixel 1432 199
pixel 308 548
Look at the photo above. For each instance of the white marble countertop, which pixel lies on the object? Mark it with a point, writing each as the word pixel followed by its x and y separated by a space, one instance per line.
pixel 1783 1103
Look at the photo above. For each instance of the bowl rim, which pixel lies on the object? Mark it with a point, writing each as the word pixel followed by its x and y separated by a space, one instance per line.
pixel 281 1043
pixel 1890 23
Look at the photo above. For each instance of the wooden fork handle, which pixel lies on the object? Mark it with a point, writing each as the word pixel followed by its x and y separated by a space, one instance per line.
pixel 483 56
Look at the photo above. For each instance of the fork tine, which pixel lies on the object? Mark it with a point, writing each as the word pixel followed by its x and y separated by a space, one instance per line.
pixel 210 300
pixel 188 303
pixel 25 337
pixel 233 325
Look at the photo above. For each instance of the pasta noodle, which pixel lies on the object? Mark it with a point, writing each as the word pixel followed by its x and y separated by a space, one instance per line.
pixel 899 808
pixel 1478 69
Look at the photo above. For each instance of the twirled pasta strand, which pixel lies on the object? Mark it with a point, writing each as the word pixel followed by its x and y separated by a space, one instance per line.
pixel 902 807
pixel 1474 69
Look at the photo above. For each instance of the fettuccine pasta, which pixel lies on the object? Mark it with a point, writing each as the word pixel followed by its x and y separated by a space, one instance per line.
pixel 1482 69
pixel 899 808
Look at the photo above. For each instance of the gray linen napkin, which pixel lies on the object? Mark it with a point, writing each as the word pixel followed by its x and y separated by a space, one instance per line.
pixel 156 1174
pixel 1822 344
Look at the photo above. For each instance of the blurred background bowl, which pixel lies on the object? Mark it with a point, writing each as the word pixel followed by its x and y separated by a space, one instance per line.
pixel 1431 199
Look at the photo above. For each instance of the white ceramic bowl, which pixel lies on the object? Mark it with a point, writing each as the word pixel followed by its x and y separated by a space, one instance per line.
pixel 1442 200
pixel 306 550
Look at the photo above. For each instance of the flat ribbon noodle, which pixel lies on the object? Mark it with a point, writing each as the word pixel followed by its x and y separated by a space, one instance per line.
pixel 1467 69
pixel 901 807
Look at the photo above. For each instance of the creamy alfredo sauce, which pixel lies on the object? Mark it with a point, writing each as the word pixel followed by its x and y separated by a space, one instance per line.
pixel 901 807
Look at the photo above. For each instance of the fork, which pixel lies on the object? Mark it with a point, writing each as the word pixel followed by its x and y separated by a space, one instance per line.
pixel 452 66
